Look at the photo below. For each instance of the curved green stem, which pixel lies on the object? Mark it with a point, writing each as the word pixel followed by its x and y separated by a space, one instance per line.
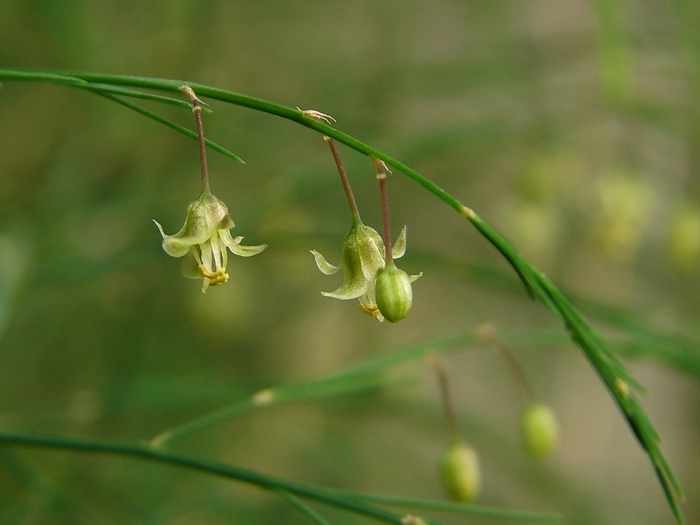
pixel 80 79
pixel 181 129
pixel 364 504
pixel 354 210
pixel 212 467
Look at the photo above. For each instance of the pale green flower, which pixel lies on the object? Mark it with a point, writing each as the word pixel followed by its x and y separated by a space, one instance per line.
pixel 363 257
pixel 204 241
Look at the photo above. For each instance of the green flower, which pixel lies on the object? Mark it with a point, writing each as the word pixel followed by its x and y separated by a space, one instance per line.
pixel 362 259
pixel 205 240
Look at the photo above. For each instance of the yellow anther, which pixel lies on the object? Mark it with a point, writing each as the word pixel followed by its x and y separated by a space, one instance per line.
pixel 370 309
pixel 215 278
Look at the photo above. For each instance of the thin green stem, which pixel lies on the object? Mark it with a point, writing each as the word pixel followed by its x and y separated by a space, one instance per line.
pixel 212 467
pixel 462 508
pixel 203 422
pixel 354 210
pixel 489 335
pixel 105 89
pixel 447 402
pixel 368 375
pixel 75 78
pixel 303 508
pixel 197 110
pixel 181 129
pixel 358 503
pixel 516 371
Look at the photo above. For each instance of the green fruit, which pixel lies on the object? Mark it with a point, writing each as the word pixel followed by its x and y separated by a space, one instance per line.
pixel 393 293
pixel 539 430
pixel 460 472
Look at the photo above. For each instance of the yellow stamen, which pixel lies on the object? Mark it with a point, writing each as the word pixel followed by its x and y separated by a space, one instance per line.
pixel 370 309
pixel 215 278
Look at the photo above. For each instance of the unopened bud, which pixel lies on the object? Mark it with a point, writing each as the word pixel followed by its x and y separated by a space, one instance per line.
pixel 393 293
pixel 460 472
pixel 539 430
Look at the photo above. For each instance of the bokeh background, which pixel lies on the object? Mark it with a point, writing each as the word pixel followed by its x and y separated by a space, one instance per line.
pixel 573 127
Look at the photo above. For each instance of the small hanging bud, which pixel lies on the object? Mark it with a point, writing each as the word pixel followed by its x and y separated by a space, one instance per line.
pixel 393 293
pixel 461 475
pixel 539 430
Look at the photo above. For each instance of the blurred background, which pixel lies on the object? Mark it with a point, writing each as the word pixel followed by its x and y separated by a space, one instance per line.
pixel 572 127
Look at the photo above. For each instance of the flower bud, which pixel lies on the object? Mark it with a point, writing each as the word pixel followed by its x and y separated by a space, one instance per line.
pixel 460 472
pixel 539 430
pixel 393 293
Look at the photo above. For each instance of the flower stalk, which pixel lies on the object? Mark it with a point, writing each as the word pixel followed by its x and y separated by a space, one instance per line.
pixel 381 178
pixel 354 210
pixel 446 396
pixel 488 334
pixel 197 110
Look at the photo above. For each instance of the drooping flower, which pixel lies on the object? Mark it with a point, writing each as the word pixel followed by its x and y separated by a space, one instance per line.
pixel 204 241
pixel 363 257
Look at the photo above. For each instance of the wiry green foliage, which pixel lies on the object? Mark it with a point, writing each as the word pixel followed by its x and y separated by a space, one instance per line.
pixel 370 506
pixel 612 372
pixel 614 375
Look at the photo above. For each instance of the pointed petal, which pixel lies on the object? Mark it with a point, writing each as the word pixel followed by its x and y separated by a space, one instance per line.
pixel 207 256
pixel 323 265
pixel 248 251
pixel 349 290
pixel 412 278
pixel 399 247
pixel 354 286
pixel 235 245
pixel 160 229
pixel 189 267
pixel 178 245
pixel 372 257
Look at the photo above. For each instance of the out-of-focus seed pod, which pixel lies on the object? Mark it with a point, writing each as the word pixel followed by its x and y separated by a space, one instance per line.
pixel 393 293
pixel 539 429
pixel 461 475
pixel 684 238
